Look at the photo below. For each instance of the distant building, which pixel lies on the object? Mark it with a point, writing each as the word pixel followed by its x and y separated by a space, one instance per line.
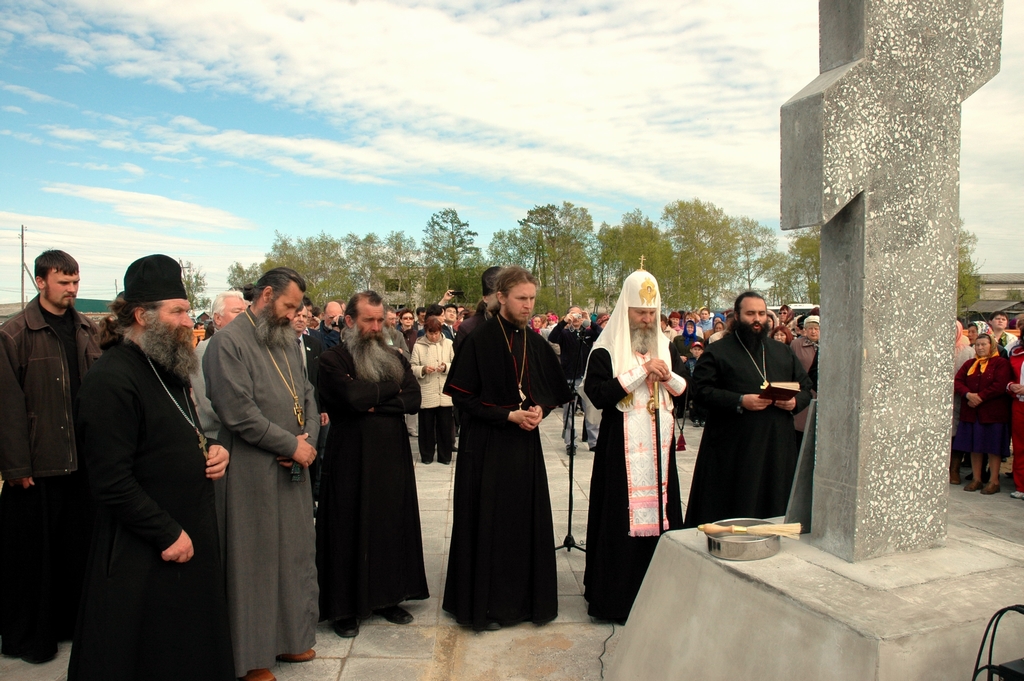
pixel 1002 287
pixel 90 307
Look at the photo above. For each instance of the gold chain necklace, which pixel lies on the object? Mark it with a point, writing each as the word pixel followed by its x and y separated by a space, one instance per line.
pixel 763 370
pixel 522 371
pixel 300 414
pixel 195 424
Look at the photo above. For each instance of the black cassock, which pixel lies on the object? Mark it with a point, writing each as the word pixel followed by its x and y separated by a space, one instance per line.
pixel 143 617
pixel 616 562
pixel 746 459
pixel 369 549
pixel 501 562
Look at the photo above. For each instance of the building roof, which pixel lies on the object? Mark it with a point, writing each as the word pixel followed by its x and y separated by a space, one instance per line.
pixel 990 306
pixel 1002 278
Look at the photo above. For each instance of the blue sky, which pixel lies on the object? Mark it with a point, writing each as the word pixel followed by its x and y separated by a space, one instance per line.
pixel 199 128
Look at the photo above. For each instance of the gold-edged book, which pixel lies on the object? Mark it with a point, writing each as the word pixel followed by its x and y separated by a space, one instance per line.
pixel 780 392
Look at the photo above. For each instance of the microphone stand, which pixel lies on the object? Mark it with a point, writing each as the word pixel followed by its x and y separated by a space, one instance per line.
pixel 569 423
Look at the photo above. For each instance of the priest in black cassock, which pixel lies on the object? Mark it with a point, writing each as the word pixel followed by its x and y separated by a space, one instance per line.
pixel 369 549
pixel 153 602
pixel 634 486
pixel 504 381
pixel 747 454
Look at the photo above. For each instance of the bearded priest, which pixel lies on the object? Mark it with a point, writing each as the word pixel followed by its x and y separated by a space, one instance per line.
pixel 153 604
pixel 504 381
pixel 747 454
pixel 634 378
pixel 369 550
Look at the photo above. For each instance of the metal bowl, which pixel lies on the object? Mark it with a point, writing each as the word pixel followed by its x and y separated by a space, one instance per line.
pixel 729 546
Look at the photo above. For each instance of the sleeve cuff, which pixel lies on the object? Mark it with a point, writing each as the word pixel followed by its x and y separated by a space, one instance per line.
pixel 632 379
pixel 676 385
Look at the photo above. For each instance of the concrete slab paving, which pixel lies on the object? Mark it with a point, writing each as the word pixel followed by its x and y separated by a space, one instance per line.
pixel 435 648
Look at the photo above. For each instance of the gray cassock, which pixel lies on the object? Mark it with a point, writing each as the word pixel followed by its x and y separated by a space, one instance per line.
pixel 270 558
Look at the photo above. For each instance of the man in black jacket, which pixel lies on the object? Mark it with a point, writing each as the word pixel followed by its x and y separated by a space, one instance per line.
pixel 574 342
pixel 45 512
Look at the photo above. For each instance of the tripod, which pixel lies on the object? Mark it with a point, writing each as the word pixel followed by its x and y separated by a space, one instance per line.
pixel 569 424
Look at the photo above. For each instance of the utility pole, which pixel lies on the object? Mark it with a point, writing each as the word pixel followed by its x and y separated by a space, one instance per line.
pixel 23 267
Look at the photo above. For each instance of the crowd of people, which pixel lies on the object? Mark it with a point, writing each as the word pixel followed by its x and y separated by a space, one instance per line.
pixel 225 498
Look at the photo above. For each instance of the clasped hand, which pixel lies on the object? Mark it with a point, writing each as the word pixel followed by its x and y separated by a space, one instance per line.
pixel 304 453
pixel 658 370
pixel 754 402
pixel 217 462
pixel 527 419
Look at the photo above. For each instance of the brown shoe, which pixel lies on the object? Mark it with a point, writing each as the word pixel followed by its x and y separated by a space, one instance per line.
pixel 973 486
pixel 298 657
pixel 991 488
pixel 954 476
pixel 259 675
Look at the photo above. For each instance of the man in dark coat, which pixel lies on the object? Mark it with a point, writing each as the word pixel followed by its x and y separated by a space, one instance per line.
pixel 505 379
pixel 634 486
pixel 747 455
pixel 45 511
pixel 153 603
pixel 369 550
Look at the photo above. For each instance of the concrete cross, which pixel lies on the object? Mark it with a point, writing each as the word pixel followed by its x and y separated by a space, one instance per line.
pixel 871 151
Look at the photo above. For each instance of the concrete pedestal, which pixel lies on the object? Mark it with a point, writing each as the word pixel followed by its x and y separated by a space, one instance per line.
pixel 806 614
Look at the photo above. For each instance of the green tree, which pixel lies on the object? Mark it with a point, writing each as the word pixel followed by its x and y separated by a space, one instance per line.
pixel 400 260
pixel 450 255
pixel 194 280
pixel 758 250
pixel 968 280
pixel 563 237
pixel 621 248
pixel 520 246
pixel 239 275
pixel 705 246
pixel 805 263
pixel 319 259
pixel 363 260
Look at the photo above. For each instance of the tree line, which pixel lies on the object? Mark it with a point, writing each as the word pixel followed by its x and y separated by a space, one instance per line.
pixel 700 255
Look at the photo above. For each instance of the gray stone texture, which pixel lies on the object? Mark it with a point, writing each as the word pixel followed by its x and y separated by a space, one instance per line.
pixel 870 151
pixel 806 614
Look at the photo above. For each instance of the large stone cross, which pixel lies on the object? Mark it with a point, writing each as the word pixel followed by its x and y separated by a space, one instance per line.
pixel 871 151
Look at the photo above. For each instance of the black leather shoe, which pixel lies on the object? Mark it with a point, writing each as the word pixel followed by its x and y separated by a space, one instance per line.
pixel 346 627
pixel 394 614
pixel 489 626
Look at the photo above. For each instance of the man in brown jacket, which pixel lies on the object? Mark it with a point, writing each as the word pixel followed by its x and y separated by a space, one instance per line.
pixel 45 511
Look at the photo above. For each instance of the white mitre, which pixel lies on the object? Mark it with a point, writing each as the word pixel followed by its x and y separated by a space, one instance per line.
pixel 640 289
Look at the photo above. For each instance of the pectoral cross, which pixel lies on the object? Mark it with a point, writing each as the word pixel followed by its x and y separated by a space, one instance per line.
pixel 203 444
pixel 300 415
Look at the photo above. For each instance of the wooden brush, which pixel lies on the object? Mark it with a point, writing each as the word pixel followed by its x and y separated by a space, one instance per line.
pixel 791 530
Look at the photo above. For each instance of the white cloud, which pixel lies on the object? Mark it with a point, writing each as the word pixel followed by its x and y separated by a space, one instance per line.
pixel 105 250
pixel 31 94
pixel 13 109
pixel 154 210
pixel 130 168
pixel 615 100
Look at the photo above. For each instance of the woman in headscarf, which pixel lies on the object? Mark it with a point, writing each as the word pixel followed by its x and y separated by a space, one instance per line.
pixel 686 338
pixel 984 412
pixel 964 353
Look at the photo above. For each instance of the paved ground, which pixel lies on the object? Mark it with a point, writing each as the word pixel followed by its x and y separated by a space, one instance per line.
pixel 435 648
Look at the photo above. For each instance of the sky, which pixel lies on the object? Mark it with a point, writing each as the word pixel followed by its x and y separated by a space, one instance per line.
pixel 199 129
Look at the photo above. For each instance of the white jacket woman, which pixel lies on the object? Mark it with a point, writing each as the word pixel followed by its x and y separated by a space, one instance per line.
pixel 439 356
pixel 431 358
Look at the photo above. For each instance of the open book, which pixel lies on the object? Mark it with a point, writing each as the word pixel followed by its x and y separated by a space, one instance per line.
pixel 780 392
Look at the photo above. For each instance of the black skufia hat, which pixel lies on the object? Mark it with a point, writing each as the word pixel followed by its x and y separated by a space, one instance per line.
pixel 153 278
